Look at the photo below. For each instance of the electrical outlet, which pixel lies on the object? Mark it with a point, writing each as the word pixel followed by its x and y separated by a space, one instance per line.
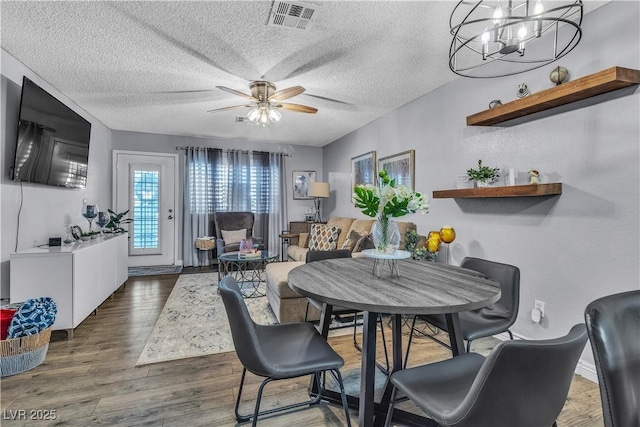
pixel 539 305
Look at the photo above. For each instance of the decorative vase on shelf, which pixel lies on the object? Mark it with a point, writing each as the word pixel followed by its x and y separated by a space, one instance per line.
pixel 385 235
pixel 482 184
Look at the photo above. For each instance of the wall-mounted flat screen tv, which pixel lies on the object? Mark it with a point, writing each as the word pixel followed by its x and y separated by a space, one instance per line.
pixel 53 141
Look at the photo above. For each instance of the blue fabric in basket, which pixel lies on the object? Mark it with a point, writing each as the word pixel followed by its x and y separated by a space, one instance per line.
pixel 34 316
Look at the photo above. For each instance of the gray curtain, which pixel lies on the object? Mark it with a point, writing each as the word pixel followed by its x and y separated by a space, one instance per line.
pixel 278 218
pixel 199 190
pixel 229 181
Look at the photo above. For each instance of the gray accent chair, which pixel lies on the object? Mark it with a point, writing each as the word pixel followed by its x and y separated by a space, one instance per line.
pixel 520 383
pixel 613 324
pixel 487 321
pixel 230 221
pixel 276 352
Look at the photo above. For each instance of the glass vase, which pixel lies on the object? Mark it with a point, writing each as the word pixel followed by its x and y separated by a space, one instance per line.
pixel 385 235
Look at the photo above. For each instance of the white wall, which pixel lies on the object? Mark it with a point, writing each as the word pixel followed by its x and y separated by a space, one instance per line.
pixel 45 209
pixel 571 249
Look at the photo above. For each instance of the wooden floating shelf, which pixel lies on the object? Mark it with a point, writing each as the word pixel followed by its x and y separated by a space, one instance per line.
pixel 585 87
pixel 538 190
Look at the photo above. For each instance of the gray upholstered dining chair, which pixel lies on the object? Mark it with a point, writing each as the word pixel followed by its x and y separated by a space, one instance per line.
pixel 613 324
pixel 487 321
pixel 520 383
pixel 275 352
pixel 338 311
pixel 225 222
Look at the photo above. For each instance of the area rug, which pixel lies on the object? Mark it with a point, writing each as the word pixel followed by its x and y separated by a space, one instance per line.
pixel 155 270
pixel 194 322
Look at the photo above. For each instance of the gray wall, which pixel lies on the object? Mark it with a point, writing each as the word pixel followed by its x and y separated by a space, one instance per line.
pixel 45 209
pixel 571 249
pixel 301 158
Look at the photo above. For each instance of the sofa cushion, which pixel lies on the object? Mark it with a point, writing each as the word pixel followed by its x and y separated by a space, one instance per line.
pixel 353 239
pixel 343 224
pixel 297 253
pixel 277 278
pixel 323 237
pixel 303 240
pixel 362 226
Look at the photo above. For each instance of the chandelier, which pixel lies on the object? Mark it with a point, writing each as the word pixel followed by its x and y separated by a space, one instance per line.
pixel 503 38
pixel 264 114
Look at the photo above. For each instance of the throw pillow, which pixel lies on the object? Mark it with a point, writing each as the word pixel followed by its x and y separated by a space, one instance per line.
pixel 365 243
pixel 233 236
pixel 352 240
pixel 323 237
pixel 303 240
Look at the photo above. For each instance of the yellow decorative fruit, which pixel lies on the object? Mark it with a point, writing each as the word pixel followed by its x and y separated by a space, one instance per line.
pixel 447 234
pixel 433 245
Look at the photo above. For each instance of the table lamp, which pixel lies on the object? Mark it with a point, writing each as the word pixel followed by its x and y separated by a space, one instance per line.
pixel 318 190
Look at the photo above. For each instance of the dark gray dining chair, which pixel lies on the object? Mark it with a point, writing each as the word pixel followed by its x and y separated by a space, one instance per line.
pixel 520 383
pixel 275 352
pixel 613 324
pixel 490 320
pixel 338 311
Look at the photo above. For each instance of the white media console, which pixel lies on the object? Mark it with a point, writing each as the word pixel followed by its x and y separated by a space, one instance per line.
pixel 79 277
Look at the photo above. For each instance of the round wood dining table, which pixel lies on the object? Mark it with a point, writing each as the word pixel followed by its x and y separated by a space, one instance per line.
pixel 419 288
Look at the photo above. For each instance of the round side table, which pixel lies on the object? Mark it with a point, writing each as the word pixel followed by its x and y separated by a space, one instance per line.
pixel 285 240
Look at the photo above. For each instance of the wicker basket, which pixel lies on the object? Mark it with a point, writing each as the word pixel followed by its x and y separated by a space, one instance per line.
pixel 205 243
pixel 18 355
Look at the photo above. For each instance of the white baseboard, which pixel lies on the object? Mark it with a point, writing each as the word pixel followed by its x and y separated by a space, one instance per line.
pixel 584 369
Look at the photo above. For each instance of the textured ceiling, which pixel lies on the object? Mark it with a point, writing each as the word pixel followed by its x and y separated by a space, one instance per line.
pixel 154 66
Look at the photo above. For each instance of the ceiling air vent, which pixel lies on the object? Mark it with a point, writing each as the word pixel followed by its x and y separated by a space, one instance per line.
pixel 242 119
pixel 291 14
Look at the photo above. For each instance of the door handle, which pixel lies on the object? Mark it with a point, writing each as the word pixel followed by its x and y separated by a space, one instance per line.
pixel 170 217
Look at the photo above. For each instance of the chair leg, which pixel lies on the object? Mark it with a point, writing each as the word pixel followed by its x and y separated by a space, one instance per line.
pixel 343 396
pixel 406 356
pixel 392 404
pixel 554 424
pixel 468 346
pixel 306 312
pixel 510 334
pixel 384 370
pixel 256 410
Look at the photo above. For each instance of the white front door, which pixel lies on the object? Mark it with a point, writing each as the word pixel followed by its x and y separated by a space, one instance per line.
pixel 145 184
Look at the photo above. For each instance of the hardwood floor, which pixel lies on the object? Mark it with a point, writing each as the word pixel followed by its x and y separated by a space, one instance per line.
pixel 92 380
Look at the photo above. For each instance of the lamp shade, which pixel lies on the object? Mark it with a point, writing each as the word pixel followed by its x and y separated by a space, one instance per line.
pixel 318 189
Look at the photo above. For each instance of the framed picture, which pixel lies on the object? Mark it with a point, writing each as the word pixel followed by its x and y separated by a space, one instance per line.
pixel 301 180
pixel 400 167
pixel 363 169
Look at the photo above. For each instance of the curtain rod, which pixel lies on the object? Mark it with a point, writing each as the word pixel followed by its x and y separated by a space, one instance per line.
pixel 230 150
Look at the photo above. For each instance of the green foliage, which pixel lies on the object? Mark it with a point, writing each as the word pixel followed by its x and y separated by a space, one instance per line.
pixel 388 200
pixel 483 173
pixel 411 239
pixel 116 221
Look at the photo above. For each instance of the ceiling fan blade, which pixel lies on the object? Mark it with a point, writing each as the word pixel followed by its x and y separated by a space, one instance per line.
pixel 298 108
pixel 238 93
pixel 286 93
pixel 229 108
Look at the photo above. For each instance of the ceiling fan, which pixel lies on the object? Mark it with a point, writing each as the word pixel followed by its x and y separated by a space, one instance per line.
pixel 266 100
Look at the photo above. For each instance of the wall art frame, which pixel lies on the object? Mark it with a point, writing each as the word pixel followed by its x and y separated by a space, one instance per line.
pixel 301 180
pixel 363 170
pixel 401 167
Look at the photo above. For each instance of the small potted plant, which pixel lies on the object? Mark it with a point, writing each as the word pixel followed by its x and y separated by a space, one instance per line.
pixel 116 221
pixel 483 175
